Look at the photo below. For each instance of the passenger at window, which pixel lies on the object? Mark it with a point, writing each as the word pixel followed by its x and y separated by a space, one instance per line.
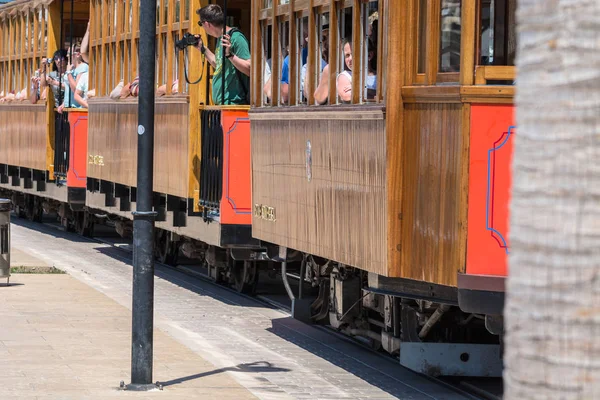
pixel 53 78
pixel 70 80
pixel 324 58
pixel 232 69
pixel 81 91
pixel 344 80
pixel 322 92
pixel 38 85
pixel 285 70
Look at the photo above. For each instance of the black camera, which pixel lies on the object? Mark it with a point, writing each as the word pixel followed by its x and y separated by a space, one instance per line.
pixel 188 39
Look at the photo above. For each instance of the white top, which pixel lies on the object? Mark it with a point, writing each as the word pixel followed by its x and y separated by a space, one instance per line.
pixel 371 82
pixel 83 84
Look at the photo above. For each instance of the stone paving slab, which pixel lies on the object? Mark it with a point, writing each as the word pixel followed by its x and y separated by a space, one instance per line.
pixel 61 339
pixel 282 358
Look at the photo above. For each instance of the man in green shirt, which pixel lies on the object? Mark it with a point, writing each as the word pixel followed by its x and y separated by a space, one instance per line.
pixel 233 70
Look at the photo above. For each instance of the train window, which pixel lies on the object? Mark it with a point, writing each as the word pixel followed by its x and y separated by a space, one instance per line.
pixel 496 44
pixel 284 51
pixel 318 44
pixel 422 36
pixel 267 71
pixel 301 59
pixel 450 25
pixel 320 80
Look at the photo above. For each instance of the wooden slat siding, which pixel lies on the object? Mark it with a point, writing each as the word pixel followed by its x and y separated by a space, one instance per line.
pixel 118 37
pixel 339 213
pixel 160 73
pixel 334 51
pixel 432 42
pixel 107 132
pixel 36 52
pixel 382 47
pixel 197 94
pixel 135 18
pixel 53 32
pixel 101 90
pixel 467 41
pixel 432 226
pixel 293 61
pixel 126 45
pixel 399 31
pixel 357 52
pixel 313 47
pixel 256 59
pixel 170 45
pixel 462 206
pixel 23 144
pixel 488 94
pixel 181 60
pixel 484 73
pixel 22 41
pixel 276 61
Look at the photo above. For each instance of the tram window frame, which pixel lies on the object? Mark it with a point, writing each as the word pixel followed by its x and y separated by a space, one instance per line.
pixel 501 72
pixel 314 10
pixel 19 58
pixel 428 48
pixel 114 49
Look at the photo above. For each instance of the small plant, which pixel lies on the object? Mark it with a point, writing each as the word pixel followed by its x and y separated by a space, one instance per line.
pixel 35 270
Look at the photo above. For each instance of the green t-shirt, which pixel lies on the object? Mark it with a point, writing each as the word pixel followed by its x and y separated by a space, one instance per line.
pixel 235 89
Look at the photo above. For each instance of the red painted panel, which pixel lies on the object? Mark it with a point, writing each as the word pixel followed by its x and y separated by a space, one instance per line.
pixel 236 203
pixel 76 176
pixel 490 179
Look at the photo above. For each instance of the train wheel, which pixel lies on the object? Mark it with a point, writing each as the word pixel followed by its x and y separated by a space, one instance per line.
pixel 245 276
pixel 84 224
pixel 165 249
pixel 33 209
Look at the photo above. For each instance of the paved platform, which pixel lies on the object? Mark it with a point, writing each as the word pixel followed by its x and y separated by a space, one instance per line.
pixel 262 349
pixel 61 339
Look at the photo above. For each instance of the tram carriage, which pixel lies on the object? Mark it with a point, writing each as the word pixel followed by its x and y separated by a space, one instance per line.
pixel 402 194
pixel 392 206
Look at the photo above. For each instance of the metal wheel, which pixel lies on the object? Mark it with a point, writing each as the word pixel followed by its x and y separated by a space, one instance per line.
pixel 33 209
pixel 165 249
pixel 245 276
pixel 84 223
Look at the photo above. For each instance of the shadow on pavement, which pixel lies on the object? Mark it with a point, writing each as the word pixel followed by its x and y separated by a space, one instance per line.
pixel 255 367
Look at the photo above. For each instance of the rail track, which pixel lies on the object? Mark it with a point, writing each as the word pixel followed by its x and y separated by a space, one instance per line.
pixel 471 388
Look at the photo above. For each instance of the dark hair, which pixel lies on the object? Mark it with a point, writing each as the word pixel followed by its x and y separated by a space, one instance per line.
pixel 61 53
pixel 213 14
pixel 372 45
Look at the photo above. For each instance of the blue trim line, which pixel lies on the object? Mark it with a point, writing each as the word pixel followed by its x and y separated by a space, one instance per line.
pixel 489 188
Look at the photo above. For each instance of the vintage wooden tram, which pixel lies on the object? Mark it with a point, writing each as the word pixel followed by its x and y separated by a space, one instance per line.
pixel 391 204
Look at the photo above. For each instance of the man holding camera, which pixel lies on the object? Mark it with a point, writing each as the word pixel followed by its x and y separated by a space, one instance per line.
pixel 231 69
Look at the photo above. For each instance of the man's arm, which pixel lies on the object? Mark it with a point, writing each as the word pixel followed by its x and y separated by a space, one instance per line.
pixel 210 56
pixel 85 45
pixel 322 92
pixel 240 50
pixel 242 65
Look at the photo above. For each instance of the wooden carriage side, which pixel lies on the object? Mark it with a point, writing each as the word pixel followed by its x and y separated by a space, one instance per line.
pixel 388 197
pixel 181 132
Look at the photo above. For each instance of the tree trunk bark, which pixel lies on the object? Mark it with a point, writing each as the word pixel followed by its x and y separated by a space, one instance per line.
pixel 553 292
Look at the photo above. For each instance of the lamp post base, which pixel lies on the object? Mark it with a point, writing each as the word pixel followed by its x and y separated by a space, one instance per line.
pixel 140 387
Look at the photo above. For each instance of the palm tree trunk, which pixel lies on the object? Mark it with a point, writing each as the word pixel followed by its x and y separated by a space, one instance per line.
pixel 553 292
